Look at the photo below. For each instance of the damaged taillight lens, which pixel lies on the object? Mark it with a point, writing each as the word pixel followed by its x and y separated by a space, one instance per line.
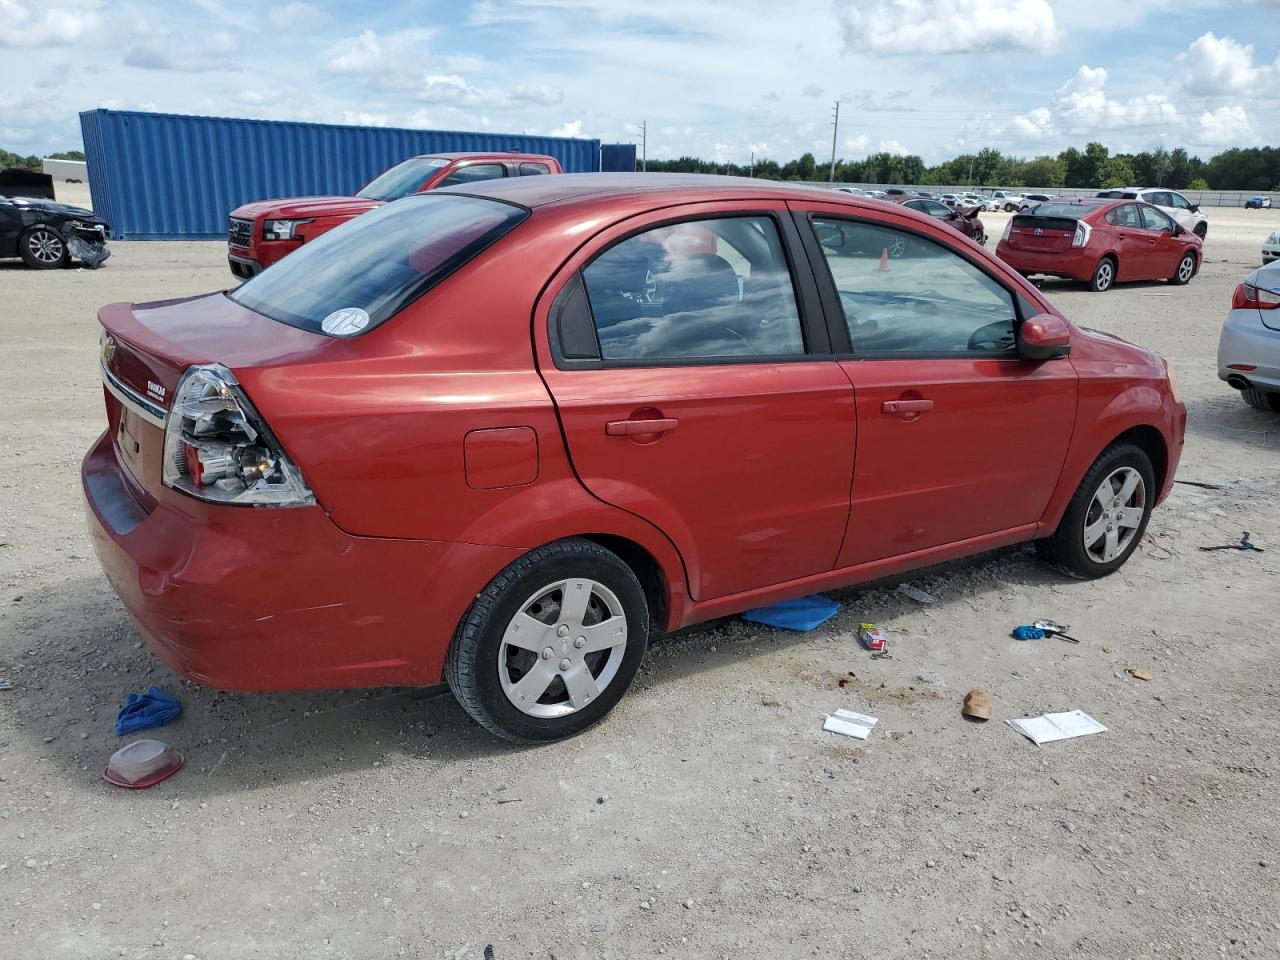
pixel 217 447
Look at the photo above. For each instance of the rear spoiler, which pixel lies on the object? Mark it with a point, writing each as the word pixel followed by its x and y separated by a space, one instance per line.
pixel 1029 221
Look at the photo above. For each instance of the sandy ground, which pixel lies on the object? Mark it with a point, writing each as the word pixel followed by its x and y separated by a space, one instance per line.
pixel 708 816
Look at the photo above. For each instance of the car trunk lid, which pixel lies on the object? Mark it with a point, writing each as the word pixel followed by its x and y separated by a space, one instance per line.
pixel 1268 278
pixel 1041 234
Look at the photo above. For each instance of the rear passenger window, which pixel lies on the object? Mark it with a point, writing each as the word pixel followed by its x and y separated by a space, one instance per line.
pixel 474 172
pixel 533 169
pixel 902 294
pixel 701 289
pixel 1125 215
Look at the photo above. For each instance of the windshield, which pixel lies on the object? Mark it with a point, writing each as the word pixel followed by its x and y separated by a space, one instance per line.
pixel 1072 211
pixel 370 268
pixel 402 179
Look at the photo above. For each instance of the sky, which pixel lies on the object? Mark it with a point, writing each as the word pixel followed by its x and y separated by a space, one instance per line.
pixel 720 80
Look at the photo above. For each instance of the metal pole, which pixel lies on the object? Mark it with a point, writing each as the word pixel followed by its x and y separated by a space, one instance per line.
pixel 644 146
pixel 751 170
pixel 835 130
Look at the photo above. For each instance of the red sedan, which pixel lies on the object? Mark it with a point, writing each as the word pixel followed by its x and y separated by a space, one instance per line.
pixel 1101 242
pixel 504 434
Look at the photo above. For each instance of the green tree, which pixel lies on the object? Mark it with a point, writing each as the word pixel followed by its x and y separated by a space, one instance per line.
pixel 1114 172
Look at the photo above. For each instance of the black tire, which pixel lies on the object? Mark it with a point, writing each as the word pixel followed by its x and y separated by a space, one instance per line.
pixel 1104 274
pixel 1185 270
pixel 1200 230
pixel 472 665
pixel 1065 547
pixel 43 248
pixel 1261 399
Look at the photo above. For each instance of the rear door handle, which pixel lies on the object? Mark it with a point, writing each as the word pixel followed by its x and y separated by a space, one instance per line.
pixel 899 407
pixel 632 428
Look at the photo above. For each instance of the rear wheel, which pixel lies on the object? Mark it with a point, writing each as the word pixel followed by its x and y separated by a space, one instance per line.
pixel 1107 516
pixel 551 644
pixel 1186 269
pixel 1104 275
pixel 43 248
pixel 1261 399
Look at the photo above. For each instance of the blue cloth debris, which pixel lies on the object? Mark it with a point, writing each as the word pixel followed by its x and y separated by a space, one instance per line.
pixel 142 711
pixel 804 613
pixel 1025 632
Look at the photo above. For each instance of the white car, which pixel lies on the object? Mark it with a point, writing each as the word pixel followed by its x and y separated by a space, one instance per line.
pixel 1249 346
pixel 1007 201
pixel 1271 247
pixel 1186 213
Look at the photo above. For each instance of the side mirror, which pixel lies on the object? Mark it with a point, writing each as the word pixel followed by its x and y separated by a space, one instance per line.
pixel 1043 337
pixel 1195 208
pixel 1179 229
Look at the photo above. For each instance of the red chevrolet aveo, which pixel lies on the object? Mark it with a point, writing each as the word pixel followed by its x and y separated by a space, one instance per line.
pixel 502 434
pixel 1101 242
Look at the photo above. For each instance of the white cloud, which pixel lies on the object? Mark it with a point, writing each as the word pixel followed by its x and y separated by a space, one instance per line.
pixel 297 16
pixel 33 24
pixel 947 26
pixel 811 90
pixel 159 52
pixel 263 97
pixel 572 128
pixel 1216 65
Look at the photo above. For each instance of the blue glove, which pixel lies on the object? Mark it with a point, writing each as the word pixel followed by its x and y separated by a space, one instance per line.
pixel 142 711
pixel 1025 632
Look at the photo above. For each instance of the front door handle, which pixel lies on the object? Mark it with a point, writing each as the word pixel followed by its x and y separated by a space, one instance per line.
pixel 633 428
pixel 898 408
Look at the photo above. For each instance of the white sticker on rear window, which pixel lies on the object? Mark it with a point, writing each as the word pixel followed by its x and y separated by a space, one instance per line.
pixel 346 322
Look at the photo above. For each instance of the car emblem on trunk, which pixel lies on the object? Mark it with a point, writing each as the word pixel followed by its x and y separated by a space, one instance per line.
pixel 1039 231
pixel 108 349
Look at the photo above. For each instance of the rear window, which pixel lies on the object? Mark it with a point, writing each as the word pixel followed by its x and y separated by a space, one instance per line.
pixel 1071 211
pixel 370 268
pixel 403 179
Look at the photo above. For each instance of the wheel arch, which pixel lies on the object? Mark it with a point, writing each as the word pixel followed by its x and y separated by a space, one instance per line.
pixel 1151 442
pixel 648 571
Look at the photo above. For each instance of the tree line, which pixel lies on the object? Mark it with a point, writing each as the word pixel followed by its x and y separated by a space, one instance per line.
pixel 1249 168
pixel 8 159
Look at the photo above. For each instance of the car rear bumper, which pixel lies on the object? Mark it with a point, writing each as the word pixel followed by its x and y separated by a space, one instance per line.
pixel 1070 265
pixel 278 598
pixel 1246 341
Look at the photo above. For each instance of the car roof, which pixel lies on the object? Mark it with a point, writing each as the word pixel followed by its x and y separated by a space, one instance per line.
pixel 484 155
pixel 684 187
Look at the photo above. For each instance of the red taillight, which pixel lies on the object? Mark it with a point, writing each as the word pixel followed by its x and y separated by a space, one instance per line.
pixel 1247 296
pixel 194 466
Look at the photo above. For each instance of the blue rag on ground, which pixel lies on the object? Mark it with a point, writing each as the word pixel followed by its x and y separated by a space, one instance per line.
pixel 142 711
pixel 1025 632
pixel 804 613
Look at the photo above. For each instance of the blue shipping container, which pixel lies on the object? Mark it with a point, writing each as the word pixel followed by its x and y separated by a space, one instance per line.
pixel 617 157
pixel 160 176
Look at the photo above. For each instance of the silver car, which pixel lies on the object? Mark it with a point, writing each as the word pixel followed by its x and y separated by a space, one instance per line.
pixel 1249 348
pixel 1271 247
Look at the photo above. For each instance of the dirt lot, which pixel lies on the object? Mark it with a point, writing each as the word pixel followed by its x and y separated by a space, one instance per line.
pixel 709 816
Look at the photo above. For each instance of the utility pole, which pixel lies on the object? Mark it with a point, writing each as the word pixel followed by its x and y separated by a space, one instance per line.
pixel 644 146
pixel 751 170
pixel 835 130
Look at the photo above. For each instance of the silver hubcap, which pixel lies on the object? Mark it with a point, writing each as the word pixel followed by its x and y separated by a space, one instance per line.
pixel 563 648
pixel 1114 514
pixel 1185 268
pixel 45 246
pixel 1104 275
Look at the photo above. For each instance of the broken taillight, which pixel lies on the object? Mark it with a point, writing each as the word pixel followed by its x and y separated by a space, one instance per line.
pixel 217 447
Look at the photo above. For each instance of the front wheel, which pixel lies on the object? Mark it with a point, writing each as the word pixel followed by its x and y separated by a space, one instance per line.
pixel 551 644
pixel 1106 517
pixel 43 248
pixel 1104 275
pixel 1186 270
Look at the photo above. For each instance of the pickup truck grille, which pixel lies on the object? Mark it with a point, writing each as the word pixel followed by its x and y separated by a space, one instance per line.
pixel 240 232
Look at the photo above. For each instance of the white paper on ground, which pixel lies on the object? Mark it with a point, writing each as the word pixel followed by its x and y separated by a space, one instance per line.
pixel 850 724
pixel 1052 727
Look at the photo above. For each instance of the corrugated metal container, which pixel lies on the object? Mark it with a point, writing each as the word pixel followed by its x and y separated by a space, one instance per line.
pixel 616 157
pixel 167 176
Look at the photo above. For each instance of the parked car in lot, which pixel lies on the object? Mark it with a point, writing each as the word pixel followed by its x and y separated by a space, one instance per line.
pixel 261 233
pixel 1249 347
pixel 1271 247
pixel 965 220
pixel 1100 242
pixel 1260 202
pixel 1032 200
pixel 1009 202
pixel 48 234
pixel 1186 213
pixel 502 434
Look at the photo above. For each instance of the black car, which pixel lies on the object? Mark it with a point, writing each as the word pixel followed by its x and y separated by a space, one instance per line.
pixel 47 234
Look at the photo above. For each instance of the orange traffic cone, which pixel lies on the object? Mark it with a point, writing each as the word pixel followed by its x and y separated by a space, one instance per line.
pixel 884 260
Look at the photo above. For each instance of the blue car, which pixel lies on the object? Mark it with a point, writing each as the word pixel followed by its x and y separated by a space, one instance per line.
pixel 1257 203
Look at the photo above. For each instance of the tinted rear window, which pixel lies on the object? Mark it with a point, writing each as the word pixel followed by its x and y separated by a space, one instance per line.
pixel 1072 211
pixel 370 268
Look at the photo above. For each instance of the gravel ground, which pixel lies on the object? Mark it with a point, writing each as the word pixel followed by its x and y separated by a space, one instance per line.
pixel 709 816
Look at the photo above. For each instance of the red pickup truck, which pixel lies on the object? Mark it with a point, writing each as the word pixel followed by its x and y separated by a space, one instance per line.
pixel 263 232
